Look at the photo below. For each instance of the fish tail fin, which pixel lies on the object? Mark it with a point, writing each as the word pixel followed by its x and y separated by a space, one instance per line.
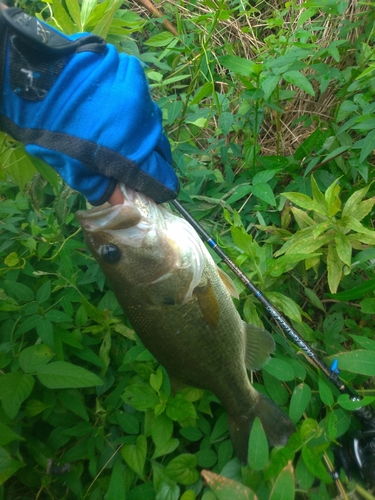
pixel 277 426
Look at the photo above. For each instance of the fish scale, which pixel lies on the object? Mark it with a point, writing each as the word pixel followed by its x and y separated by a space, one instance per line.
pixel 179 305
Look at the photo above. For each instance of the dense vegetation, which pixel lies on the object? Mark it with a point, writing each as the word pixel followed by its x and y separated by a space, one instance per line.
pixel 270 111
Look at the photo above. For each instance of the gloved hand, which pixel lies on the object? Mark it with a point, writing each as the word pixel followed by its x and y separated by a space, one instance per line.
pixel 83 108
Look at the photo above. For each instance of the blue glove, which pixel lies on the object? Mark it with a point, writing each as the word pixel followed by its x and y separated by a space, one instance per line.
pixel 83 108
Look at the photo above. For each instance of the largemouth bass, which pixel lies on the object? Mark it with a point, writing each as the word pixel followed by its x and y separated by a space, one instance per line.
pixel 179 304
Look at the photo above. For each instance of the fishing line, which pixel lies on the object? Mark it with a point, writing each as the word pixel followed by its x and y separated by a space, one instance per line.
pixel 366 415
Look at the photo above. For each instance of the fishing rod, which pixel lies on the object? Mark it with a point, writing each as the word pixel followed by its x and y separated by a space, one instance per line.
pixel 362 451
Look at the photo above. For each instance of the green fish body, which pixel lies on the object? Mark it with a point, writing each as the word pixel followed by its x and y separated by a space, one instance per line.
pixel 179 304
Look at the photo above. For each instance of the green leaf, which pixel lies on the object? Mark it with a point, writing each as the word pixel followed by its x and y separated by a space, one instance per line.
pixel 279 369
pixel 332 199
pixel 183 469
pixel 306 202
pixel 357 208
pixel 8 466
pixel 14 389
pixel 227 489
pixel 367 146
pixel 269 84
pixel 354 293
pixel 357 361
pixel 202 92
pixel 160 40
pixel 299 80
pixel 141 396
pixel 44 292
pixel 314 463
pixel 263 191
pixel 344 248
pixel 239 65
pixel 300 399
pixel 18 291
pixel 286 305
pixel 334 267
pixel 325 393
pixel 7 435
pixel 116 488
pixel 35 357
pixel 179 408
pixel 313 298
pixel 63 375
pixel 351 405
pixel 283 488
pixel 62 18
pixel 135 455
pixel 258 446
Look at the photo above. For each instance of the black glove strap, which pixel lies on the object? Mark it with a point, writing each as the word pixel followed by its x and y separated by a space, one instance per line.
pixel 37 53
pixel 33 32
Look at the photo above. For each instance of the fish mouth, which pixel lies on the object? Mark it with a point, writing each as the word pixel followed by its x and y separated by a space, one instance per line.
pixel 111 217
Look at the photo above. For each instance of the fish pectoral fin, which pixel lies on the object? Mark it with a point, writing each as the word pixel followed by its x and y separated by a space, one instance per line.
pixel 259 345
pixel 208 303
pixel 228 283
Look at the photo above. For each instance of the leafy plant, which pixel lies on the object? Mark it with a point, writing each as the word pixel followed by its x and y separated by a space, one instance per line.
pixel 256 99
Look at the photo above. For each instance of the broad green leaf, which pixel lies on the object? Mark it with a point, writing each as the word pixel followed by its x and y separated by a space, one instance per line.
pixel 344 248
pixel 202 92
pixel 63 375
pixel 304 201
pixel 116 488
pixel 313 298
pixel 62 18
pixel 283 488
pixel 225 121
pixel 135 455
pixel 269 84
pixel 227 489
pixel 8 466
pixel 19 291
pixel 332 199
pixel 161 430
pixel 263 191
pixel 334 267
pixel 239 65
pixel 367 146
pixel 349 222
pixel 21 168
pixel 356 292
pixel 309 428
pixel 103 26
pixel 286 305
pixel 325 393
pixel 86 8
pixel 302 219
pixel 35 357
pixel 141 396
pixel 7 435
pixel 160 40
pixel 183 469
pixel 74 11
pixel 299 80
pixel 44 292
pixel 179 408
pixel 156 379
pixel 188 495
pixel 355 207
pixel 280 369
pixel 357 361
pixel 351 405
pixel 258 446
pixel 14 389
pixel 314 463
pixel 300 399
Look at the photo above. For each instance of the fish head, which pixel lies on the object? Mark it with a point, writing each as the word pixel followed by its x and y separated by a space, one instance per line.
pixel 141 244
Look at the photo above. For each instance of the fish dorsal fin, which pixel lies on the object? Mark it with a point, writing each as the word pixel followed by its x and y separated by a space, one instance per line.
pixel 208 303
pixel 228 283
pixel 259 345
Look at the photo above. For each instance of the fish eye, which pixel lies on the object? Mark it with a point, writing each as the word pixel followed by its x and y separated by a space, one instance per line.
pixel 111 254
